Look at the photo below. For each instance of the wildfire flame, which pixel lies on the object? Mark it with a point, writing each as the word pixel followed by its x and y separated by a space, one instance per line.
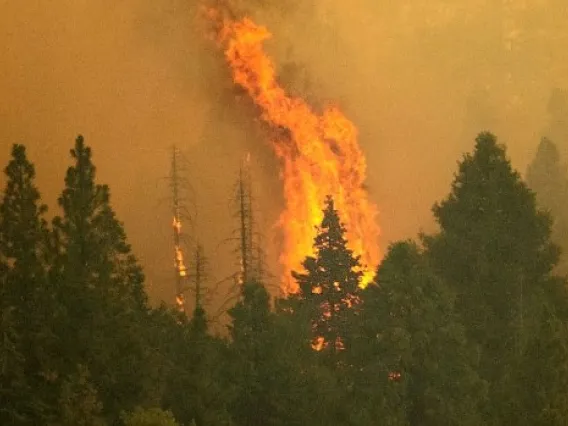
pixel 320 155
pixel 179 262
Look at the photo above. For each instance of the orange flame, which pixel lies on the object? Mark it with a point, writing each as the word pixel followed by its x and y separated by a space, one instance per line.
pixel 320 156
pixel 179 263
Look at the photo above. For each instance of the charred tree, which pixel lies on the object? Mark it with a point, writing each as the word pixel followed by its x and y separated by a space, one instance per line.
pixel 179 187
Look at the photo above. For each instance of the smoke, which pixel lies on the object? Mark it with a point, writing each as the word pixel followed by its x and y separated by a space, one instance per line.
pixel 418 78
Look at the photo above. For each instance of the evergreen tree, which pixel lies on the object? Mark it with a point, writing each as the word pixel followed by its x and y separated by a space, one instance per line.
pixel 274 373
pixel 427 368
pixel 253 360
pixel 27 304
pixel 494 250
pixel 546 175
pixel 194 388
pixel 328 303
pixel 78 401
pixel 101 287
pixel 330 283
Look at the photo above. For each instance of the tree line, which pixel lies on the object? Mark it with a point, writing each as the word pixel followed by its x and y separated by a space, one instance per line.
pixel 466 326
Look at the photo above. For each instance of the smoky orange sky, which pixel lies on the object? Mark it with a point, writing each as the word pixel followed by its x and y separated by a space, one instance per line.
pixel 419 79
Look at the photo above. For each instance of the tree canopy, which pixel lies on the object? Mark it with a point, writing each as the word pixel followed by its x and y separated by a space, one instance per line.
pixel 466 326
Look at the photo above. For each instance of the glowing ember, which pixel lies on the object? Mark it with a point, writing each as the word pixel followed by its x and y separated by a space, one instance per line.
pixel 320 155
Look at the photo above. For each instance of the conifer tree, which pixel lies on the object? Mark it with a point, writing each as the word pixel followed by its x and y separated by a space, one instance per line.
pixel 494 249
pixel 96 253
pixel 194 387
pixel 79 404
pixel 101 286
pixel 27 304
pixel 254 362
pixel 546 175
pixel 273 372
pixel 426 364
pixel 330 283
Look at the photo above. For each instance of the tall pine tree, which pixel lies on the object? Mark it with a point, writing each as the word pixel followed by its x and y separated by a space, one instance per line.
pixel 101 286
pixel 330 283
pixel 28 372
pixel 494 249
pixel 426 366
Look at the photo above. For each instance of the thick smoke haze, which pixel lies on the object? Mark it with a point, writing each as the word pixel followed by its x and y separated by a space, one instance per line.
pixel 418 78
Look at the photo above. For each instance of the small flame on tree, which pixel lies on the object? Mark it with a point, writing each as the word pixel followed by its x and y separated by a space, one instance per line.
pixel 320 154
pixel 179 263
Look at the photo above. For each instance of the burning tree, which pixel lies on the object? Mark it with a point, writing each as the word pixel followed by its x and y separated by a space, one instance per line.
pixel 330 283
pixel 319 152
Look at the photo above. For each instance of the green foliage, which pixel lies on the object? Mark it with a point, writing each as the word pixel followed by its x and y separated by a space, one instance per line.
pixel 252 357
pixel 78 401
pixel 95 251
pixel 496 239
pixel 101 286
pixel 494 249
pixel 330 283
pixel 193 386
pixel 149 417
pixel 421 341
pixel 26 378
pixel 469 330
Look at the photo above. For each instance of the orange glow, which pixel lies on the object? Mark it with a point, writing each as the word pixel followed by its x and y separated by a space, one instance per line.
pixel 179 262
pixel 318 344
pixel 320 155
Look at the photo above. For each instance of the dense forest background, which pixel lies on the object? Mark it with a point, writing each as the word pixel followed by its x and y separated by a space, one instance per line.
pixel 463 326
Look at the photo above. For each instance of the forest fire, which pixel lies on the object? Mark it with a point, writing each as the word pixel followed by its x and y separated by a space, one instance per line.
pixel 320 155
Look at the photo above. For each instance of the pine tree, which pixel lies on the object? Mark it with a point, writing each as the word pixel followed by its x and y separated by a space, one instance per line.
pixel 194 387
pixel 27 304
pixel 254 365
pixel 78 401
pixel 546 175
pixel 426 364
pixel 95 249
pixel 494 249
pixel 101 286
pixel 330 283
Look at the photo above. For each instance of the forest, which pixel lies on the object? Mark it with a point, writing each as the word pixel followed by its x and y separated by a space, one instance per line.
pixel 465 326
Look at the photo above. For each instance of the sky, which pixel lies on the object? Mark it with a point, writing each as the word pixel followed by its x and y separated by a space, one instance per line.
pixel 418 78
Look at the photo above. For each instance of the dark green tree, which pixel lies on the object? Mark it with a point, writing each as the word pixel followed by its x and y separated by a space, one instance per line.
pixel 194 387
pixel 330 283
pixel 78 401
pixel 27 304
pixel 101 287
pixel 427 367
pixel 253 363
pixel 546 175
pixel 494 249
